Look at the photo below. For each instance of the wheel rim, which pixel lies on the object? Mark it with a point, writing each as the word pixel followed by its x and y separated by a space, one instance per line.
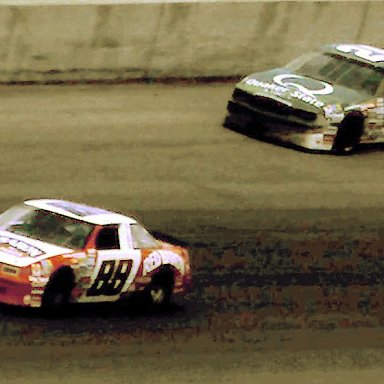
pixel 157 295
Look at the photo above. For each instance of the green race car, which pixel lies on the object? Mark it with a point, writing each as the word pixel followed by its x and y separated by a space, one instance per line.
pixel 329 100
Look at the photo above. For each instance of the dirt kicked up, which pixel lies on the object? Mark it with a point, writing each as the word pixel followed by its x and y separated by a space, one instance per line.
pixel 287 246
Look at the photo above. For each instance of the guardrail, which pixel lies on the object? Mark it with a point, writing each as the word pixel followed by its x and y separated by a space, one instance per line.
pixel 180 39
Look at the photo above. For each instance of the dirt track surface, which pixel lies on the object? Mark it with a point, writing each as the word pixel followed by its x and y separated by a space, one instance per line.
pixel 159 152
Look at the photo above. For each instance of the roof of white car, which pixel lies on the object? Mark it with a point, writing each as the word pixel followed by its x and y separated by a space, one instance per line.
pixel 81 212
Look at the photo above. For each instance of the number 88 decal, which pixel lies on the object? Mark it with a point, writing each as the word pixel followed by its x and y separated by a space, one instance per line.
pixel 108 281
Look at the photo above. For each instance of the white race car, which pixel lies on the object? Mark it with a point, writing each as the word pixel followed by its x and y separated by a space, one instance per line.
pixel 53 252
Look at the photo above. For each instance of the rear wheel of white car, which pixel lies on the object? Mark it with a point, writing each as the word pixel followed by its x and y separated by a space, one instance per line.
pixel 349 133
pixel 159 291
pixel 57 293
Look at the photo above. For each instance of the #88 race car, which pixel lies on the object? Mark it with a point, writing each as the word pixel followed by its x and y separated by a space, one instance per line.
pixel 329 100
pixel 53 252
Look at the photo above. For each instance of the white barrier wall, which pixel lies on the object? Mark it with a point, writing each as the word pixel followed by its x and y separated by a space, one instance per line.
pixel 133 40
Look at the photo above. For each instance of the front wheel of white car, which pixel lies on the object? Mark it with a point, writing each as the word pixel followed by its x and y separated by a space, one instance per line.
pixel 57 293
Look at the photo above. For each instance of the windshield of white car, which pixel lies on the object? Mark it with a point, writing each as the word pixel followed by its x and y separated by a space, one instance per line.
pixel 339 70
pixel 46 226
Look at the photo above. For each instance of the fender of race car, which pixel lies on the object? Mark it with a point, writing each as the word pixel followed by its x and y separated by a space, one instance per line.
pixel 57 247
pixel 332 99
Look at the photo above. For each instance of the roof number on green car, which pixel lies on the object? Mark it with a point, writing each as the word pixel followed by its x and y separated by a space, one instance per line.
pixel 375 55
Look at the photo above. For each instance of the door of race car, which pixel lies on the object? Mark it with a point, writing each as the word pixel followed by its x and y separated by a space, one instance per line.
pixel 116 265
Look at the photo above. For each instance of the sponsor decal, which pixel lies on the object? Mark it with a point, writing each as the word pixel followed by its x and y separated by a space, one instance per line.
pixel 35 301
pixel 371 109
pixel 375 55
pixel 24 248
pixel 36 270
pixel 46 267
pixel 364 106
pixel 334 112
pixel 158 258
pixel 38 279
pixel 303 93
pixel 36 291
pixel 285 82
pixel 43 268
pixel 38 284
pixel 269 87
pixel 10 270
pixel 307 99
pixel 333 108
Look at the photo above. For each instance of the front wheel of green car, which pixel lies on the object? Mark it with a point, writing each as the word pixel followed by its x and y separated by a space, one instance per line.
pixel 349 133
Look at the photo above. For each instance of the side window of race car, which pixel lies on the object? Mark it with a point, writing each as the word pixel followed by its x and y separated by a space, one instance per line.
pixel 141 238
pixel 108 238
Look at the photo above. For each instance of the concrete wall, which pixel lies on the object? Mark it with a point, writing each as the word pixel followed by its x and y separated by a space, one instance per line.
pixel 152 39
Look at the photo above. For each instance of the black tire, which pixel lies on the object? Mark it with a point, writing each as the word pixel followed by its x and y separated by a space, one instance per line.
pixel 57 293
pixel 232 122
pixel 159 291
pixel 349 133
pixel 235 119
